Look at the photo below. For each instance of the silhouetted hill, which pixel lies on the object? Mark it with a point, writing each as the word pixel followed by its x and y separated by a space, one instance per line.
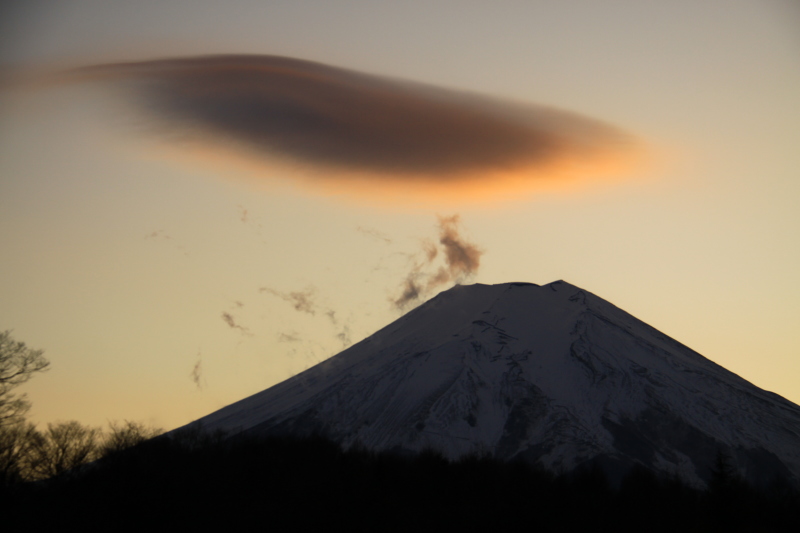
pixel 194 481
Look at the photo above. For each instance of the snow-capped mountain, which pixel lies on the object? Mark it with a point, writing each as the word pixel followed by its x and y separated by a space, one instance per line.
pixel 550 374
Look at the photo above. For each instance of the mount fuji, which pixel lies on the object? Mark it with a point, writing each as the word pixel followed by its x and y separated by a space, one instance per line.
pixel 551 375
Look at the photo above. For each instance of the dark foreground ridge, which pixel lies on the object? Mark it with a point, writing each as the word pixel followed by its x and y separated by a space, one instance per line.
pixel 193 480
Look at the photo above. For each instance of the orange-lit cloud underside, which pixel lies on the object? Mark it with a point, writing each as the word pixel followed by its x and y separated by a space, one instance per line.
pixel 343 132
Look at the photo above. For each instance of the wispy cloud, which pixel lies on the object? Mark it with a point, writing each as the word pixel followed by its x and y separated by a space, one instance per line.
pixel 462 260
pixel 375 234
pixel 231 322
pixel 289 337
pixel 197 372
pixel 411 290
pixel 344 336
pixel 161 235
pixel 306 301
pixel 303 301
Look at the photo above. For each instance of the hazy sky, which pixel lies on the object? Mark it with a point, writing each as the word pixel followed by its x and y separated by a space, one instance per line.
pixel 179 235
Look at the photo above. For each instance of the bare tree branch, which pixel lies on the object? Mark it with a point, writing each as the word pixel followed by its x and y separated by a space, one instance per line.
pixel 18 363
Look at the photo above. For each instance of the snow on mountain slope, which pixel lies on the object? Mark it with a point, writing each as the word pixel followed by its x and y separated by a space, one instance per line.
pixel 552 375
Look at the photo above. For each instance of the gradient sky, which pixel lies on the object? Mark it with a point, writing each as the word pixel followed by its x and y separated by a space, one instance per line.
pixel 168 271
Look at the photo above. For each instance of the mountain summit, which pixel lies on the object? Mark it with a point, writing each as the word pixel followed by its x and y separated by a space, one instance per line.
pixel 548 374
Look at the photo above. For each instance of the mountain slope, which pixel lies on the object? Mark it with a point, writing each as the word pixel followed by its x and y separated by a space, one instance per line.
pixel 552 375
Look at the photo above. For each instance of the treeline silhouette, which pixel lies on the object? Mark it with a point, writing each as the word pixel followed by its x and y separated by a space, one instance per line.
pixel 63 448
pixel 192 479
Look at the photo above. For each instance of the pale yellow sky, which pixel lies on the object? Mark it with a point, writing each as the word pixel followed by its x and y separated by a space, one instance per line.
pixel 120 257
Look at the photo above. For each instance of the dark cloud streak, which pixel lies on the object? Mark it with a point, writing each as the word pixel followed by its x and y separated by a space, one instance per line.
pixel 231 322
pixel 302 301
pixel 197 372
pixel 305 301
pixel 371 232
pixel 288 337
pixel 411 291
pixel 462 260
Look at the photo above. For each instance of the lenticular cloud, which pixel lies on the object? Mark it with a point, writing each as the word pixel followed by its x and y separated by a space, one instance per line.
pixel 364 131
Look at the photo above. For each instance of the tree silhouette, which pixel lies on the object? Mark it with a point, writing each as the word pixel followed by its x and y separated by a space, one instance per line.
pixel 15 445
pixel 724 476
pixel 18 363
pixel 126 434
pixel 63 447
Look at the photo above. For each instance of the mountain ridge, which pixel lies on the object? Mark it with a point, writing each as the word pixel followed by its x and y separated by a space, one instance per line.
pixel 550 374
